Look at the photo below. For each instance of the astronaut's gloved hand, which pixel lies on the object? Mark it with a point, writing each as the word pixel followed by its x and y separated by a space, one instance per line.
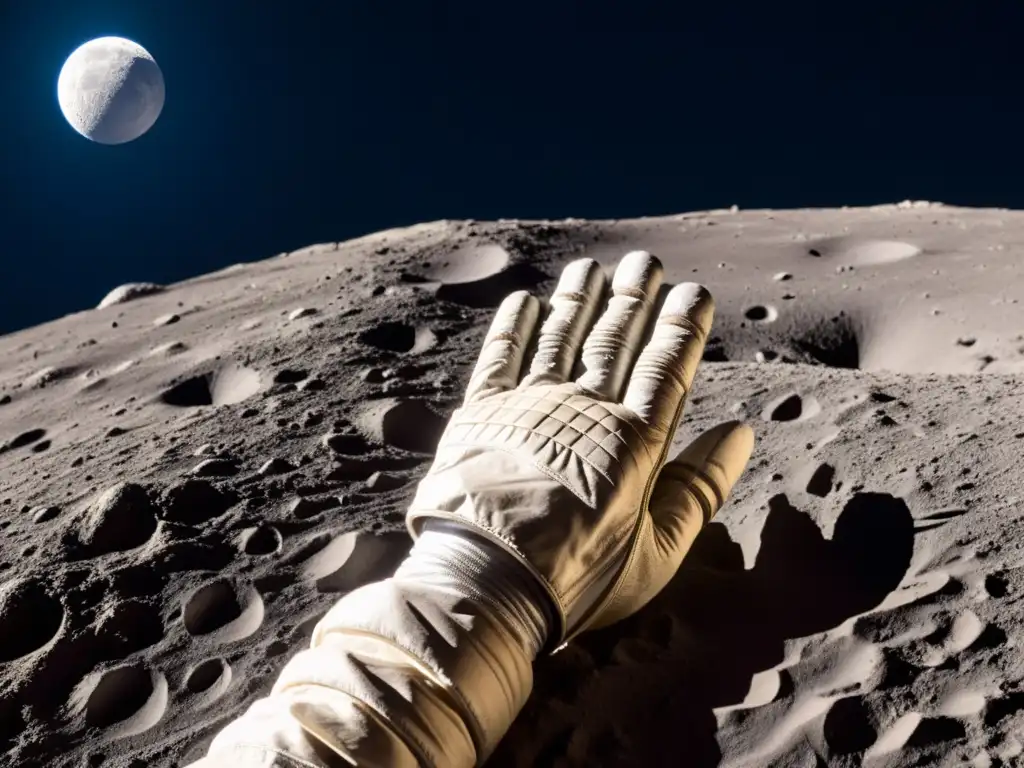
pixel 550 508
pixel 558 453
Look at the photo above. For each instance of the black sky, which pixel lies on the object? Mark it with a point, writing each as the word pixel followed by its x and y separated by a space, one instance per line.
pixel 290 122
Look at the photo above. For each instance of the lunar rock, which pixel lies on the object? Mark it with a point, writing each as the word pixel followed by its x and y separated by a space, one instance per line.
pixel 858 600
pixel 128 292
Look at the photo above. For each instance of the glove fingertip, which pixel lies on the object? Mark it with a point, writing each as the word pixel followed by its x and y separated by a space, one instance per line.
pixel 713 463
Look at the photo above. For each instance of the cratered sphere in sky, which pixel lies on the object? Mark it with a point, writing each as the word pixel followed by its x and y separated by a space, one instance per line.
pixel 111 90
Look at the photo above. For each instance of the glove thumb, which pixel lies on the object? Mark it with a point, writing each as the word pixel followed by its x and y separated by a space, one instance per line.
pixel 688 493
pixel 694 486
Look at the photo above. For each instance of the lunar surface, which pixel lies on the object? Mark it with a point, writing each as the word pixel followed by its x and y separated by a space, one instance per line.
pixel 191 474
pixel 111 90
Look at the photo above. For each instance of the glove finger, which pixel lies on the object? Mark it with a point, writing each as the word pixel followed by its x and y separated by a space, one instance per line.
pixel 611 346
pixel 574 305
pixel 695 485
pixel 666 366
pixel 501 356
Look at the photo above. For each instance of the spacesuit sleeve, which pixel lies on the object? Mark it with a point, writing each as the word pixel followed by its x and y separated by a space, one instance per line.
pixel 427 668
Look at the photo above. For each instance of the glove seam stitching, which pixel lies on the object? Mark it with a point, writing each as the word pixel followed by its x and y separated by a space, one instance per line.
pixel 554 474
pixel 610 597
pixel 619 537
pixel 531 432
pixel 578 391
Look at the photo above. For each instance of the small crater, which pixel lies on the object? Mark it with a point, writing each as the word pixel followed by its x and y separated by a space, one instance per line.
pixel 275 466
pixel 864 253
pixel 791 407
pixel 399 337
pixel 761 314
pixel 26 438
pixel 346 445
pixel 214 554
pixel 211 677
pixel 223 608
pixel 835 343
pixel 848 728
pixel 467 265
pixel 488 293
pixel 881 252
pixel 194 501
pixel 304 507
pixel 262 540
pixel 352 559
pixel 30 617
pixel 131 697
pixel 477 275
pixel 290 376
pixel 411 425
pixel 821 481
pixel 223 386
pixel 996 585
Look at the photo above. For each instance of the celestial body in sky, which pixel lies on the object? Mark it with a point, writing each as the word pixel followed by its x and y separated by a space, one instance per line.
pixel 111 90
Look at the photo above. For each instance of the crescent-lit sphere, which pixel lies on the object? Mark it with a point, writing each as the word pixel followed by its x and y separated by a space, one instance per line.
pixel 111 90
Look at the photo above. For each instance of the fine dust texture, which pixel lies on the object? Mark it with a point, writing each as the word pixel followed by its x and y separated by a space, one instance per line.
pixel 192 474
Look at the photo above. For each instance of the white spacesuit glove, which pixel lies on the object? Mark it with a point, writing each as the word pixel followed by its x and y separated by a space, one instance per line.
pixel 568 473
pixel 550 508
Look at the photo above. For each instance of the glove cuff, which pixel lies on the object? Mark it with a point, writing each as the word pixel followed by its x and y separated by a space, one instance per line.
pixel 451 556
pixel 460 615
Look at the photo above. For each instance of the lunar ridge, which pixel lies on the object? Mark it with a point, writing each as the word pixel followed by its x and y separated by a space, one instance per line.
pixel 192 474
